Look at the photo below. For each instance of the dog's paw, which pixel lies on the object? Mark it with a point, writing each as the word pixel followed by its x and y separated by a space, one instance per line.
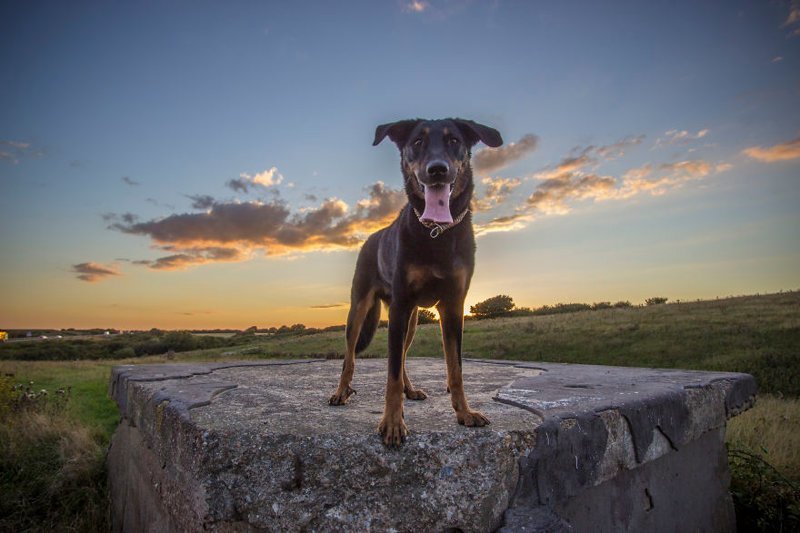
pixel 472 419
pixel 341 396
pixel 393 430
pixel 415 394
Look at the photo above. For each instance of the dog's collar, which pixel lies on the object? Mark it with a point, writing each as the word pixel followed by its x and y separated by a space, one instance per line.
pixel 438 229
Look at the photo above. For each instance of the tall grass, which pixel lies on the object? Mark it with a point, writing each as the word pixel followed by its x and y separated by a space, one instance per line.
pixel 52 469
pixel 51 454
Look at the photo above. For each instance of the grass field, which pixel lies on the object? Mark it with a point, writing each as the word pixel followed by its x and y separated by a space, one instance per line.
pixel 755 334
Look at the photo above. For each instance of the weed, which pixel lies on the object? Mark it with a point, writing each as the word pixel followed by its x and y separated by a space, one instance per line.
pixel 765 500
pixel 52 470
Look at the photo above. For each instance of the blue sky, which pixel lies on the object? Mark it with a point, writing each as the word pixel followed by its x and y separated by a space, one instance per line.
pixel 657 151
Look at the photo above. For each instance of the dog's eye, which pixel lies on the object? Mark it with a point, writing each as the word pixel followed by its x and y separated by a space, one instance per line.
pixel 454 141
pixel 418 143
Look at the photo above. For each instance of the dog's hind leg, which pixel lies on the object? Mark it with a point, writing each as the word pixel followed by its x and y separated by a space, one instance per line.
pixel 359 308
pixel 408 387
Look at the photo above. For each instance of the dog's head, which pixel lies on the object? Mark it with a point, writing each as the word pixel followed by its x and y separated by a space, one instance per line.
pixel 435 159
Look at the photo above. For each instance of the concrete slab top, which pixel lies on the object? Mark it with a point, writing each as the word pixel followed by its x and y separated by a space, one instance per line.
pixel 291 396
pixel 267 450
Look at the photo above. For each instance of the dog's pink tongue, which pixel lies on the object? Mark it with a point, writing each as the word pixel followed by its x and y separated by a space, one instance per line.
pixel 437 204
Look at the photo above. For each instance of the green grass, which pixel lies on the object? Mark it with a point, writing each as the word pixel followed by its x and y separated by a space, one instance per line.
pixel 759 335
pixel 755 334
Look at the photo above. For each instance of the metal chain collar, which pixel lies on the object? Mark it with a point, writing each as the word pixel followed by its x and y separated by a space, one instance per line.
pixel 438 229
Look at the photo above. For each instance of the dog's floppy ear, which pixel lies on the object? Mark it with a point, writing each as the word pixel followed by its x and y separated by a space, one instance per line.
pixel 474 132
pixel 398 131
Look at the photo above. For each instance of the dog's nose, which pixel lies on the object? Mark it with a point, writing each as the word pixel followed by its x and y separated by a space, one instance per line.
pixel 437 169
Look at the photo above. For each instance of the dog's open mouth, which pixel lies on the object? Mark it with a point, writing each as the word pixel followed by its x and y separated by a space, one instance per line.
pixel 437 204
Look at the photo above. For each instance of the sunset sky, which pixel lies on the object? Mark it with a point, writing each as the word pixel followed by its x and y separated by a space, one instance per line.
pixel 209 164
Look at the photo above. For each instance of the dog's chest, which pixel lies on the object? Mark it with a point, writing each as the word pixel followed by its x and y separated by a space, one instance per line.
pixel 432 283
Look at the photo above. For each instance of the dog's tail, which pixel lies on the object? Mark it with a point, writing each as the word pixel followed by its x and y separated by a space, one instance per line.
pixel 369 326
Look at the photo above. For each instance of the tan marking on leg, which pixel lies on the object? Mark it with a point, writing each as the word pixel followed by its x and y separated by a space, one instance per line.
pixel 344 390
pixel 408 387
pixel 392 427
pixel 455 384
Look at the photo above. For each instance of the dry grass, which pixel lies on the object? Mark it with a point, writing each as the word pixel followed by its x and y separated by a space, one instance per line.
pixel 770 429
pixel 52 470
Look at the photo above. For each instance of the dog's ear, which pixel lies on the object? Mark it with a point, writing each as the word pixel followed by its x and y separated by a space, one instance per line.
pixel 398 131
pixel 474 132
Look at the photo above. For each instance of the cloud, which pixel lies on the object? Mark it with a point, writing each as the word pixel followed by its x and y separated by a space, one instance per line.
pixel 126 218
pixel 513 222
pixel 201 201
pixel 495 193
pixel 13 151
pixel 779 152
pixel 658 180
pixel 491 159
pixel 577 178
pixel 93 272
pixel 231 231
pixel 193 257
pixel 584 159
pixel 416 6
pixel 245 182
pixel 238 185
pixel 552 195
pixel 266 178
pixel 327 306
pixel 680 137
pixel 16 144
pixel 793 19
pixel 128 181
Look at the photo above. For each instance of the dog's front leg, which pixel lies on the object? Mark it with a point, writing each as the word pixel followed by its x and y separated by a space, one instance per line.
pixel 452 320
pixel 393 427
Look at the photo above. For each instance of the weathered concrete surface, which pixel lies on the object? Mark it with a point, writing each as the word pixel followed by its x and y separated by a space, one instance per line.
pixel 254 446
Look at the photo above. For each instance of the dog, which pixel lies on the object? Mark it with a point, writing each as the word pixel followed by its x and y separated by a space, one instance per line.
pixel 425 258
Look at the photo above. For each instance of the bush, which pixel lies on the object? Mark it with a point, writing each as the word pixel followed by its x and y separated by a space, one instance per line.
pixel 52 470
pixel 656 300
pixel 562 308
pixel 426 317
pixel 764 499
pixel 493 307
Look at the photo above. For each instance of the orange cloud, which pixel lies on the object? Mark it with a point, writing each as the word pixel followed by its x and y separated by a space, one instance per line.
pixel 93 272
pixel 779 152
pixel 417 6
pixel 495 193
pixel 680 137
pixel 491 159
pixel 513 222
pixel 656 181
pixel 231 231
pixel 575 178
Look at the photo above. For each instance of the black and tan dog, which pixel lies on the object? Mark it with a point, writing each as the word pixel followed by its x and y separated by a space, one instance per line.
pixel 424 258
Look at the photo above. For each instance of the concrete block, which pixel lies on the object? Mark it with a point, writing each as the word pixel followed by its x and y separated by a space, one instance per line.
pixel 254 446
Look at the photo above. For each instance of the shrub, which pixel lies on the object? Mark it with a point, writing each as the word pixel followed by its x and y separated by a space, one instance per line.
pixel 52 470
pixel 764 499
pixel 656 300
pixel 493 307
pixel 561 308
pixel 426 317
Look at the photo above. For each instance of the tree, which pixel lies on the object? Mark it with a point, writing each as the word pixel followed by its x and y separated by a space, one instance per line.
pixel 426 317
pixel 493 307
